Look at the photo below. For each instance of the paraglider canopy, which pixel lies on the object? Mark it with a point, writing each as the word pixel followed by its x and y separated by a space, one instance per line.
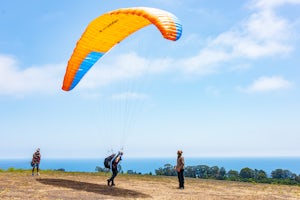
pixel 111 28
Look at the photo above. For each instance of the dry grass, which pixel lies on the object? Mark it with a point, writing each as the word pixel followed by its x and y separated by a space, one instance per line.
pixel 60 185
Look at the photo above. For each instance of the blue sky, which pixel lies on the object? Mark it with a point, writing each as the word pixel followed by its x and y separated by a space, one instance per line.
pixel 229 87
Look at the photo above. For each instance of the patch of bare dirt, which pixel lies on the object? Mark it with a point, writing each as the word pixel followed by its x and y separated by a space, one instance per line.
pixel 63 185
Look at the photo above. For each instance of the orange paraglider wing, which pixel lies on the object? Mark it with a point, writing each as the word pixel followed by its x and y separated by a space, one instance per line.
pixel 111 28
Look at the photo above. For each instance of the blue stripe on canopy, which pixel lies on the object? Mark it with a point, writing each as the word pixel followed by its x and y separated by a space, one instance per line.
pixel 85 66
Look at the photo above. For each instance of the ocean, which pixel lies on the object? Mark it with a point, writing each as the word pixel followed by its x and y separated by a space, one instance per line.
pixel 147 165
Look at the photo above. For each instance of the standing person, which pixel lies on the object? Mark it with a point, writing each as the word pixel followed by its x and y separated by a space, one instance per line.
pixel 180 169
pixel 35 162
pixel 114 168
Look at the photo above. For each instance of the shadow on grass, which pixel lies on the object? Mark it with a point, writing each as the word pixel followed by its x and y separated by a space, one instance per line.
pixel 92 187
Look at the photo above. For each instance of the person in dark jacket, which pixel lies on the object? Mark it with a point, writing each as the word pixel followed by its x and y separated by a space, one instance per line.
pixel 35 162
pixel 114 168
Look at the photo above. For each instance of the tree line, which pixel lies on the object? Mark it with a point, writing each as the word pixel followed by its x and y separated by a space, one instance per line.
pixel 277 176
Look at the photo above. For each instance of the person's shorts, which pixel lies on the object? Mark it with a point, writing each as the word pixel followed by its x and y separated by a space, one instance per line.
pixel 35 165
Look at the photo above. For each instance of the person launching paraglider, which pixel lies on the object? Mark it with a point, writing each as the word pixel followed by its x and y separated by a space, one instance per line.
pixel 114 168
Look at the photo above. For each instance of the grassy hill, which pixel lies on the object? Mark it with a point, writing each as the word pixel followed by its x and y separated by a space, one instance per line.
pixel 76 185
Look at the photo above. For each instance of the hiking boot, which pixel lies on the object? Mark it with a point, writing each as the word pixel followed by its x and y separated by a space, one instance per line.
pixel 38 173
pixel 112 183
pixel 108 182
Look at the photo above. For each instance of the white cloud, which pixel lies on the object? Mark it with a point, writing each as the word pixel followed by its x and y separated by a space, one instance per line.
pixel 263 33
pixel 47 79
pixel 270 4
pixel 204 63
pixel 265 84
pixel 18 82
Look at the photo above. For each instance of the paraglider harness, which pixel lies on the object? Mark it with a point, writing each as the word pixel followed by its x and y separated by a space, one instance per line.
pixel 108 161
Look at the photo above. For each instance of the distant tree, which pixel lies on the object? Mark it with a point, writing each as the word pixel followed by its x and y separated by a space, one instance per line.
pixel 168 170
pixel 202 171
pixel 100 169
pixel 260 174
pixel 222 174
pixel 131 171
pixel 190 171
pixel 281 174
pixel 213 172
pixel 159 171
pixel 246 173
pixel 277 173
pixel 233 175
pixel 288 174
pixel 297 178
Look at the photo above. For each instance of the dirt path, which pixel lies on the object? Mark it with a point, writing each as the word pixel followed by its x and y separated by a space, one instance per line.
pixel 60 185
